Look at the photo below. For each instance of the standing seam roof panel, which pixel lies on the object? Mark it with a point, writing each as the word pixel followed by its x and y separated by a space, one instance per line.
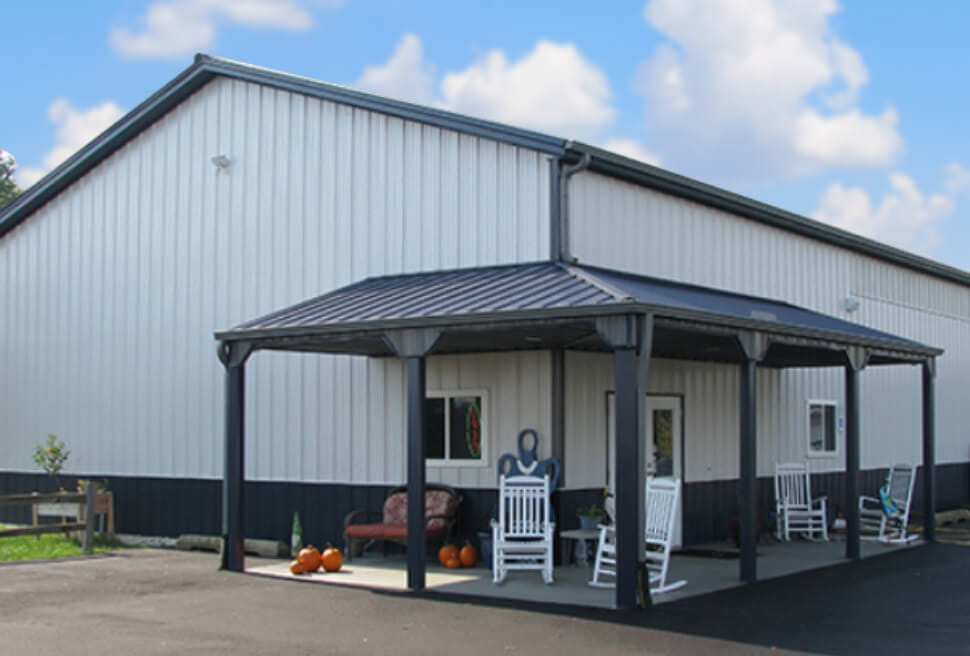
pixel 550 285
pixel 466 291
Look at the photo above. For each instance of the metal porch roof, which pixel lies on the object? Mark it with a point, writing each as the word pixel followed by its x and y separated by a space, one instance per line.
pixel 549 293
pixel 685 298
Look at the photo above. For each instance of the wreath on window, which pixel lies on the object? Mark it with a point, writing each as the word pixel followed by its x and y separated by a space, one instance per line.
pixel 473 430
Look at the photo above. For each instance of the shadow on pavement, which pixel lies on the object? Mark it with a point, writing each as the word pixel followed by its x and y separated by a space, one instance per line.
pixel 906 602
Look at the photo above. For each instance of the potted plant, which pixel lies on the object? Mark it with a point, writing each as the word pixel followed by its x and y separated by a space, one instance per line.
pixel 589 516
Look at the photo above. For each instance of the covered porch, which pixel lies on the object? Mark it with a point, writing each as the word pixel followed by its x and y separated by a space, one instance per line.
pixel 555 307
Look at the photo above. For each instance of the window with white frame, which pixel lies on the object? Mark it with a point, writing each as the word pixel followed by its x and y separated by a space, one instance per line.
pixel 455 432
pixel 822 428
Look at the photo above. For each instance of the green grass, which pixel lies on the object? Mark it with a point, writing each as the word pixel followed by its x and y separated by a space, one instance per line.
pixel 51 545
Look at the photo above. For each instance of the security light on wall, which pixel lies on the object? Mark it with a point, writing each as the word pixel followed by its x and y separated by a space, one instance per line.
pixel 851 304
pixel 222 161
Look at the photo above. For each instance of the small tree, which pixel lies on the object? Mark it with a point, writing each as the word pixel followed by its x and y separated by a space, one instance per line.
pixel 8 191
pixel 51 456
pixel 8 188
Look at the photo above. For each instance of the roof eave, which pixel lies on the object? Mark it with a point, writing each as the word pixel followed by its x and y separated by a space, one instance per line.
pixel 835 339
pixel 477 319
pixel 401 109
pixel 914 352
pixel 104 145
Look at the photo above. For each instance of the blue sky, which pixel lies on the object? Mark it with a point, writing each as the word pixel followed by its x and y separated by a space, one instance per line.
pixel 853 113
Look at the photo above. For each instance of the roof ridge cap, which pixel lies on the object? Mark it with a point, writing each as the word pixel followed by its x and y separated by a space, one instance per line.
pixel 591 279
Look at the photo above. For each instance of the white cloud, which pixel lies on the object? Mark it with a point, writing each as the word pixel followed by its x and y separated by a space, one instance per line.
pixel 905 216
pixel 849 63
pixel 849 139
pixel 74 129
pixel 553 88
pixel 405 75
pixel 759 87
pixel 957 178
pixel 181 27
pixel 633 149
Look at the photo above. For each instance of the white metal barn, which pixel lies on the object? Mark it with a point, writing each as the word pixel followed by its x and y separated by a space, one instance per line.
pixel 471 261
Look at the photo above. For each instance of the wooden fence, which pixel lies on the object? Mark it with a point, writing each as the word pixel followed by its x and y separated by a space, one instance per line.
pixel 64 505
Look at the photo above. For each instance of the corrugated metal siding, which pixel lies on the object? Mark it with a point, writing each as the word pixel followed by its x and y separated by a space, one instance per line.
pixel 621 225
pixel 895 299
pixel 711 421
pixel 110 294
pixel 519 396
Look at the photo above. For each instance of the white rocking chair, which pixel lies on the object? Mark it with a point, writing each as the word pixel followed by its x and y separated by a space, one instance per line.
pixel 796 510
pixel 887 521
pixel 661 507
pixel 523 533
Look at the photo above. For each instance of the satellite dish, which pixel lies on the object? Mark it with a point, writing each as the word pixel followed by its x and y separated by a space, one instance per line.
pixel 7 165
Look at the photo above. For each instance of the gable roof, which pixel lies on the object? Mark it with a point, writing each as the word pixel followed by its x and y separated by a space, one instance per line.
pixel 203 70
pixel 206 67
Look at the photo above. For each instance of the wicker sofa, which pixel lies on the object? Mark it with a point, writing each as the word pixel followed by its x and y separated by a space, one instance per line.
pixel 440 509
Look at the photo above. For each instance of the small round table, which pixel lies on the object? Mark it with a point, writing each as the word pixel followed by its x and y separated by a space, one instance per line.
pixel 581 536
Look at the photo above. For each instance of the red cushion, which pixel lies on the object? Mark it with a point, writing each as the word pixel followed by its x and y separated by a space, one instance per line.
pixel 396 509
pixel 395 517
pixel 396 531
pixel 367 531
pixel 438 502
pixel 388 531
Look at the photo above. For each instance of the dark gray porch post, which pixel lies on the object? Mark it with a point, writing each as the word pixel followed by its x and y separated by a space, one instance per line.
pixel 929 451
pixel 628 457
pixel 558 432
pixel 852 546
pixel 416 471
pixel 753 346
pixel 414 345
pixel 233 356
pixel 631 338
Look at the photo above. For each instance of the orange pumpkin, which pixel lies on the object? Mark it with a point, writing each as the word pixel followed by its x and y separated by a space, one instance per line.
pixel 332 559
pixel 446 553
pixel 309 557
pixel 468 555
pixel 453 562
pixel 296 567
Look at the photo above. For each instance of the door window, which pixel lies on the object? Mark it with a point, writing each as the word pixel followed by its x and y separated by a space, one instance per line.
pixel 663 442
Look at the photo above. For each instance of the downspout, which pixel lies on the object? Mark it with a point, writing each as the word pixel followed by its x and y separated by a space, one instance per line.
pixel 559 252
pixel 565 173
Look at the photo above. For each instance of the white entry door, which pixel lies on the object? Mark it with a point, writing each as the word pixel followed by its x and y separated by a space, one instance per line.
pixel 662 438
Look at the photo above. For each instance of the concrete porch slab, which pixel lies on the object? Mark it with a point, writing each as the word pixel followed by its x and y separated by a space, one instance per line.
pixel 703 574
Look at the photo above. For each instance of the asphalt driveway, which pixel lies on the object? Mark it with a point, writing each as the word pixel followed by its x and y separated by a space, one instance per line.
pixel 168 602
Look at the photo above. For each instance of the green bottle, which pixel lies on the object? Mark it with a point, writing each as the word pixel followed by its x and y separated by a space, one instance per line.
pixel 296 534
